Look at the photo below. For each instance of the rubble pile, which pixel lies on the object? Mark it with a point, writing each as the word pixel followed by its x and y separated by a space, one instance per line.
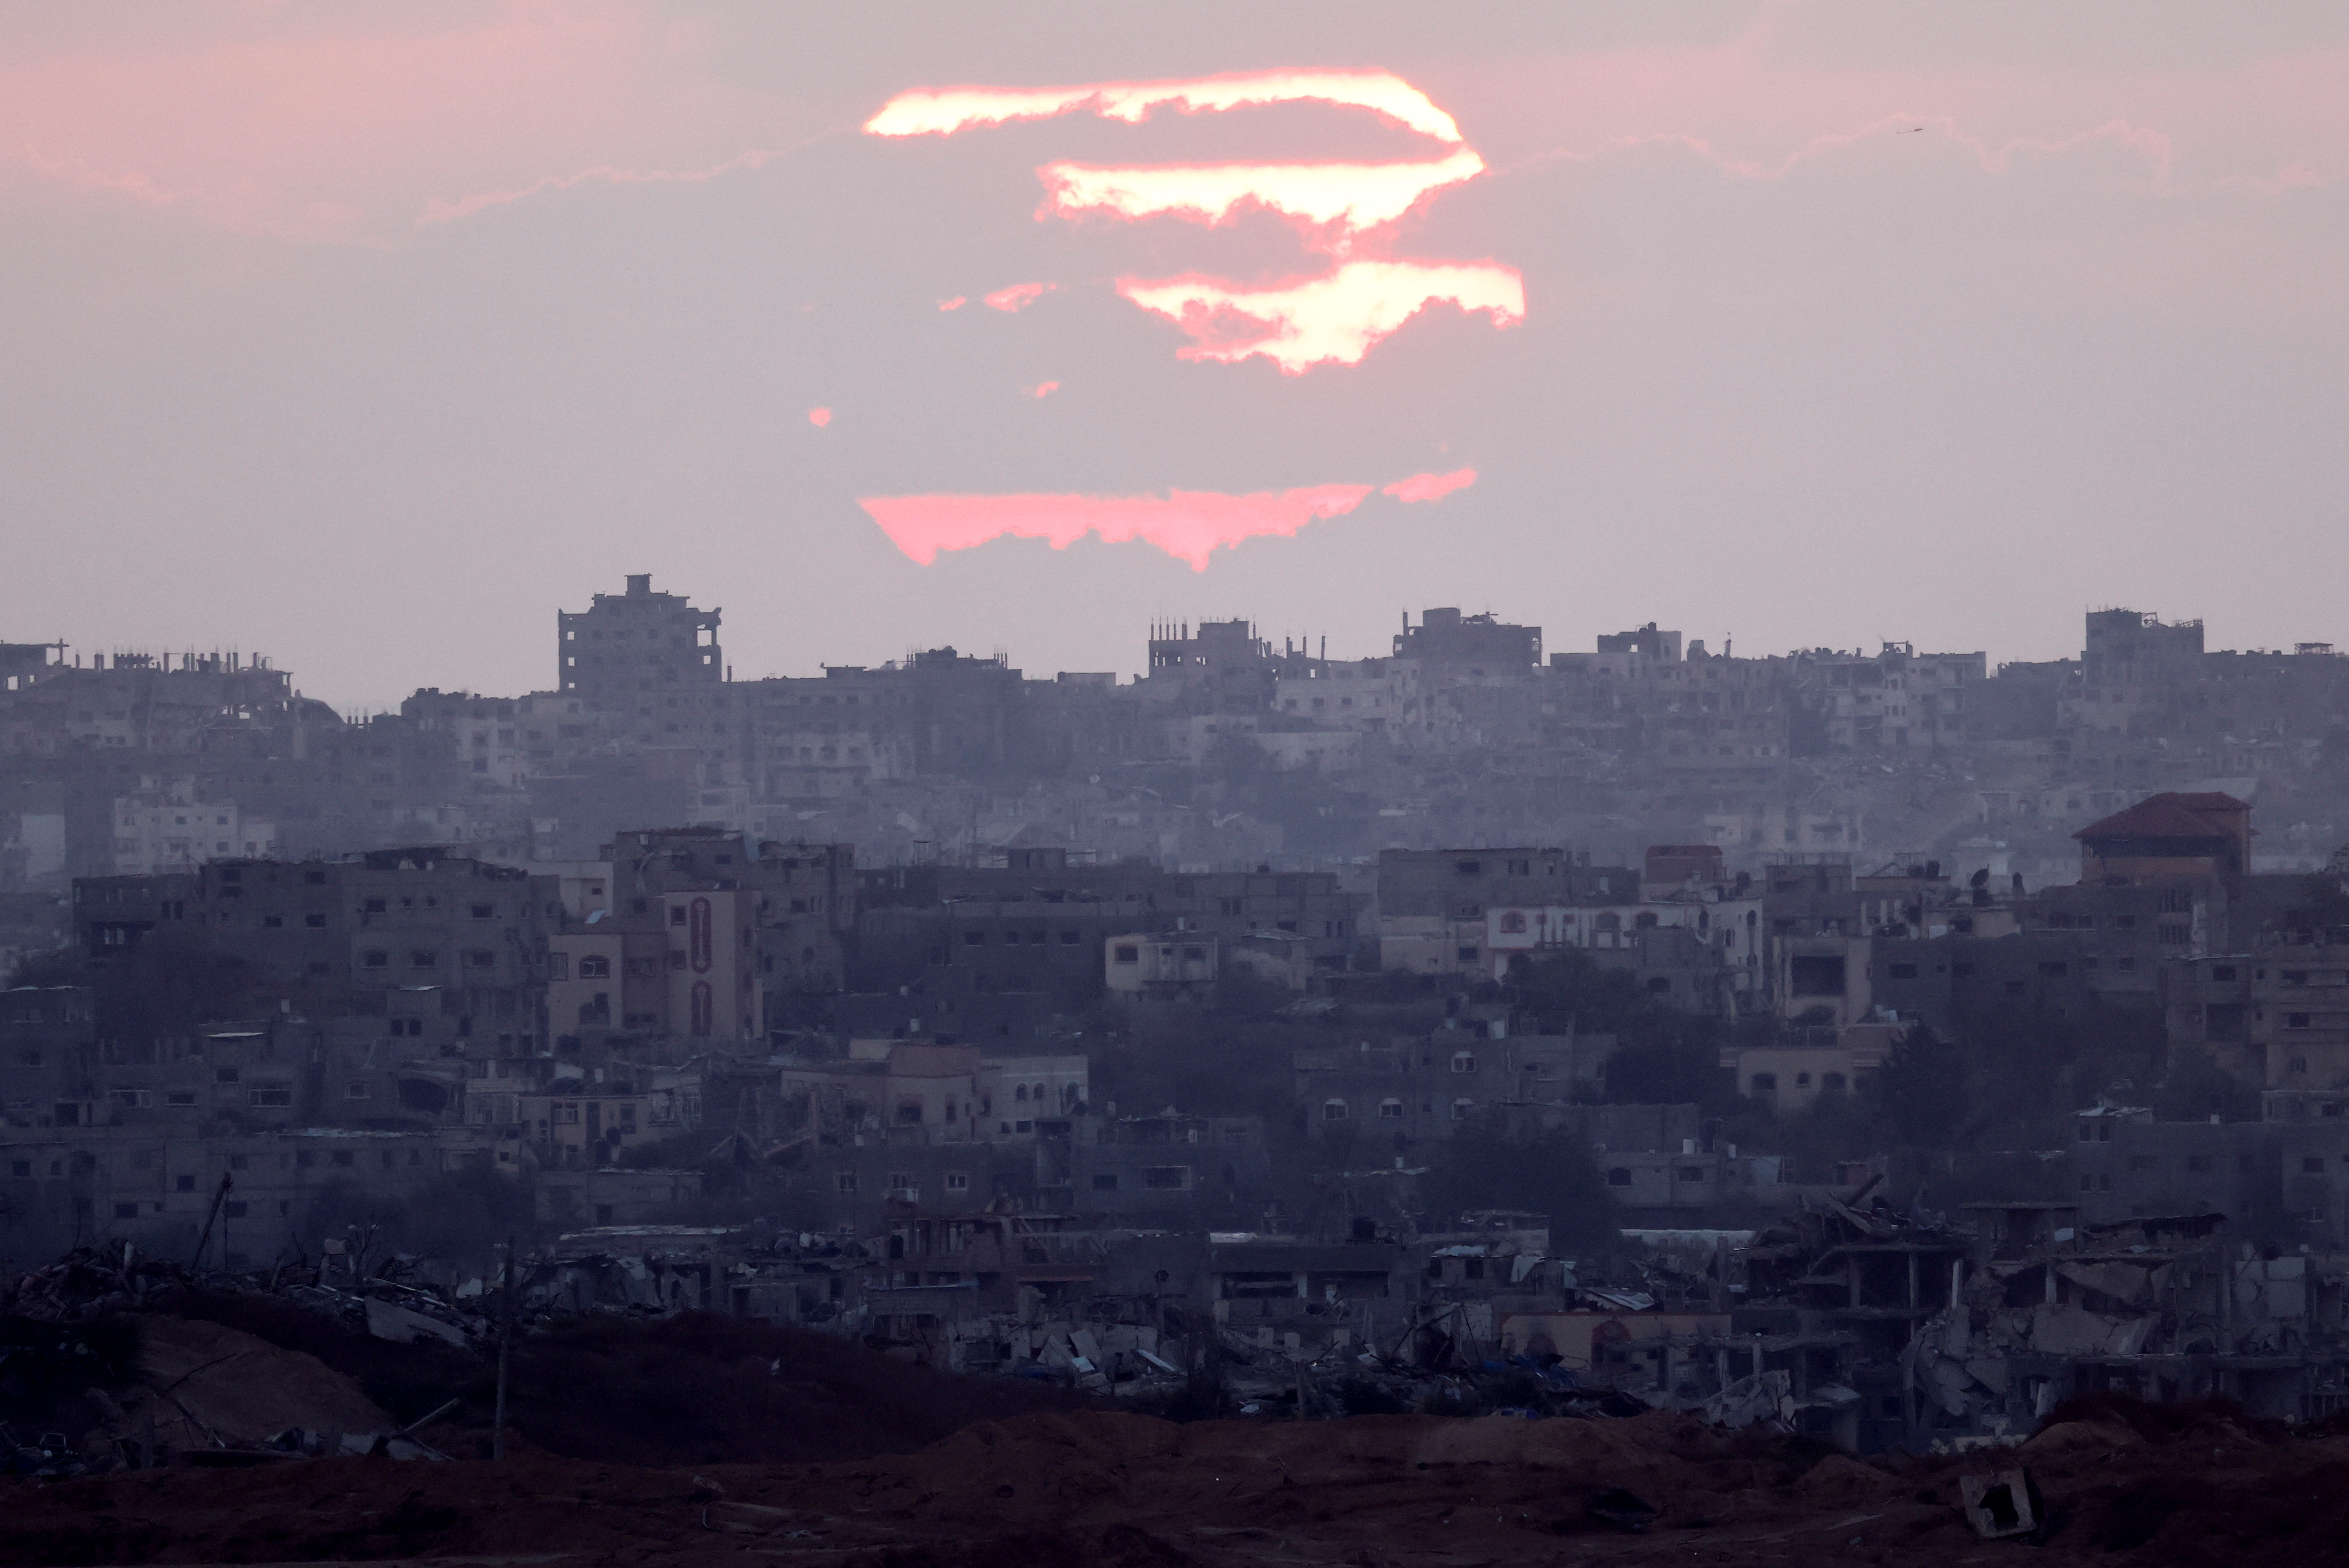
pixel 113 1359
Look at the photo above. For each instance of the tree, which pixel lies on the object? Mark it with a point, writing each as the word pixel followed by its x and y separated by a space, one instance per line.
pixel 1922 1086
pixel 1550 1174
pixel 1664 1055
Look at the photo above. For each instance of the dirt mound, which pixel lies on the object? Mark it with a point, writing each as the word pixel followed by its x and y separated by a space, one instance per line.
pixel 696 1390
pixel 1086 1487
pixel 211 1384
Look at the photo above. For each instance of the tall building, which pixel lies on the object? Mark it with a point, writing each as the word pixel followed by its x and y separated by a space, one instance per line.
pixel 650 658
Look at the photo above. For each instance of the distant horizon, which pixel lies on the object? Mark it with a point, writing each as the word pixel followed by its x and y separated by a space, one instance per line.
pixel 372 706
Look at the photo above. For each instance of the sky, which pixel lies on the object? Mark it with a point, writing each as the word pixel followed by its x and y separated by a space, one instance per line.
pixel 369 336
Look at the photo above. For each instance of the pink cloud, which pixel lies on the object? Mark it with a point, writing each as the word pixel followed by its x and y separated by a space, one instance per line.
pixel 1044 389
pixel 942 111
pixel 1018 297
pixel 1189 525
pixel 819 418
pixel 358 124
pixel 1350 196
pixel 1430 487
pixel 954 304
pixel 1334 319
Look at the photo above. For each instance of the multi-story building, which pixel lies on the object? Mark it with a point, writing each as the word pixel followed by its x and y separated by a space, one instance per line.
pixel 652 658
pixel 1433 903
pixel 1897 699
pixel 2126 1165
pixel 173 829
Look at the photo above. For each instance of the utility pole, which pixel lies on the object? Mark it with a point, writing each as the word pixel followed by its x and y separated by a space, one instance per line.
pixel 505 1350
pixel 204 1239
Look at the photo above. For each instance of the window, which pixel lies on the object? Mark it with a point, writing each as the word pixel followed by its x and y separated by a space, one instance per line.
pixel 423 958
pixel 1124 954
pixel 235 1209
pixel 594 966
pixel 272 922
pixel 2312 1164
pixel 844 1181
pixel 1104 1182
pixel 188 1183
pixel 375 958
pixel 1166 1178
pixel 1468 955
pixel 1460 1110
pixel 480 958
pixel 358 1092
pixel 1464 1061
pixel 224 1075
pixel 1688 1174
pixel 1513 922
pixel 2055 969
pixel 1764 1083
pixel 485 912
pixel 1902 971
pixel 180 1096
pixel 1617 1176
pixel 2223 972
pixel 1333 1111
pixel 314 921
pixel 267 1098
pixel 1391 1109
pixel 342 1157
pixel 125 1210
pixel 958 1182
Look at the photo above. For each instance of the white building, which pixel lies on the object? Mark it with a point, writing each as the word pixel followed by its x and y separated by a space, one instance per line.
pixel 171 830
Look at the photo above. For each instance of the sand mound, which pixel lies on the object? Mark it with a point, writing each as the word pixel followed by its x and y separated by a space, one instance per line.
pixel 2071 1437
pixel 206 1382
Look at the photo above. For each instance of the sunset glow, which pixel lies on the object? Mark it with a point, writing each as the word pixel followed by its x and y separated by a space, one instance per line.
pixel 1430 487
pixel 1189 525
pixel 1335 319
pixel 1018 297
pixel 942 111
pixel 1352 195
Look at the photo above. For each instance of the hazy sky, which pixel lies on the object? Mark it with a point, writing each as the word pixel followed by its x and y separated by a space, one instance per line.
pixel 368 335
